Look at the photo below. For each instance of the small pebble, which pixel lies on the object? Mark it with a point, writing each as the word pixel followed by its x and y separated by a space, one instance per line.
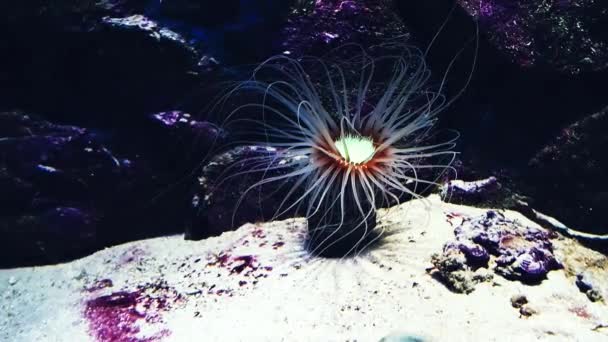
pixel 12 281
pixel 527 311
pixel 518 301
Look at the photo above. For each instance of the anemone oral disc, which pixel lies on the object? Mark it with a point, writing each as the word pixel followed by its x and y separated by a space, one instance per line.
pixel 355 149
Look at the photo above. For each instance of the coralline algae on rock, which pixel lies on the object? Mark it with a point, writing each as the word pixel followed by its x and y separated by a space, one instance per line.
pixel 470 192
pixel 452 268
pixel 322 25
pixel 515 251
pixel 140 23
pixel 181 127
pixel 567 35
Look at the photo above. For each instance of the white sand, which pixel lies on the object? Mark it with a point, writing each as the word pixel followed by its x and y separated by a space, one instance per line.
pixel 362 299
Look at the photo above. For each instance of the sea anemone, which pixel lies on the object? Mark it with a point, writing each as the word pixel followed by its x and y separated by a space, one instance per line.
pixel 357 131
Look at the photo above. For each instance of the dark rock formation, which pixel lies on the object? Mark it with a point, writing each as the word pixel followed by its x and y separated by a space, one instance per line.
pixel 208 13
pixel 567 175
pixel 239 32
pixel 109 67
pixel 567 36
pixel 473 192
pixel 564 36
pixel 66 193
pixel 539 65
pixel 181 138
pixel 69 189
pixel 315 27
pixel 226 196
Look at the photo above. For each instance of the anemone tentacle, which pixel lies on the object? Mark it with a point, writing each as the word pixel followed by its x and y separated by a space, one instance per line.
pixel 361 142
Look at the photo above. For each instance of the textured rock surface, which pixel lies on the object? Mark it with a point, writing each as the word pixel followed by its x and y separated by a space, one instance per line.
pixel 202 12
pixel 587 268
pixel 473 192
pixel 494 242
pixel 225 198
pixel 569 36
pixel 316 27
pixel 540 68
pixel 92 61
pixel 195 137
pixel 65 192
pixel 568 175
pixel 238 32
pixel 558 88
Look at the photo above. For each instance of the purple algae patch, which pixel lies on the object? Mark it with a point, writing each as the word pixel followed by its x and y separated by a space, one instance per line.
pixel 113 317
pixel 119 316
pixel 517 252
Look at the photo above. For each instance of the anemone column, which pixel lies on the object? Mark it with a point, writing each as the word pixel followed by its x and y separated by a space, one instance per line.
pixel 341 231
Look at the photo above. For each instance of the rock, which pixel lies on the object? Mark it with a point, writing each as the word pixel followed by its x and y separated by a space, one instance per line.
pixel 595 241
pixel 178 142
pixel 203 13
pixel 225 196
pixel 68 193
pixel 567 36
pixel 476 255
pixel 470 192
pixel 451 268
pixel 521 302
pixel 139 24
pixel 517 301
pixel 315 27
pixel 586 267
pixel 509 77
pixel 531 266
pixel 567 174
pixel 94 57
pixel 560 36
pixel 491 241
pixel 198 136
pixel 48 235
pixel 236 32
pixel 585 283
pixel 527 311
pixel 522 253
pixel 67 12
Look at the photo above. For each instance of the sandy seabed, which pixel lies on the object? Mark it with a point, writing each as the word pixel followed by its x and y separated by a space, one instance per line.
pixel 257 284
